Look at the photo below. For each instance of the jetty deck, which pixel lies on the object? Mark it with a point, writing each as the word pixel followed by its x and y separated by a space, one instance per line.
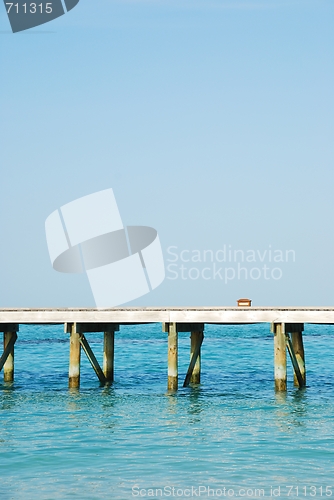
pixel 213 315
pixel 287 325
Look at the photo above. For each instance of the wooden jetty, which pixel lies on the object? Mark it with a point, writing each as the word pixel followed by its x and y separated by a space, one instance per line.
pixel 287 326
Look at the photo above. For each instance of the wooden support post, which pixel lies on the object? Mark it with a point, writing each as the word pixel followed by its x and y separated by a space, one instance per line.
pixel 298 375
pixel 108 356
pixel 92 359
pixel 78 339
pixel 196 339
pixel 172 383
pixel 9 339
pixel 8 349
pixel 298 347
pixel 75 355
pixel 194 370
pixel 279 357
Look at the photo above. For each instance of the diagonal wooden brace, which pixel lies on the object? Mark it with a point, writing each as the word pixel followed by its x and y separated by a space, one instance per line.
pixel 8 350
pixel 93 361
pixel 193 361
pixel 294 361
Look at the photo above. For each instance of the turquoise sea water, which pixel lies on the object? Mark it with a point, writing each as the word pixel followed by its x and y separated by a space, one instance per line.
pixel 231 434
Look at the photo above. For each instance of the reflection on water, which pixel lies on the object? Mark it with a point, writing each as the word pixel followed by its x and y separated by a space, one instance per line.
pixel 291 408
pixel 196 404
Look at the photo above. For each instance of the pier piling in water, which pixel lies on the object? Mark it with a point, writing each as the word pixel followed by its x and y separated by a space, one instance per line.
pixel 194 369
pixel 92 359
pixel 78 340
pixel 279 356
pixel 294 345
pixel 108 355
pixel 298 346
pixel 172 382
pixel 75 356
pixel 296 351
pixel 196 339
pixel 287 326
pixel 7 358
pixel 8 369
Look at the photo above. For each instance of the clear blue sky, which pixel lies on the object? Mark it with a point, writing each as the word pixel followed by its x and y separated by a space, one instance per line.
pixel 212 121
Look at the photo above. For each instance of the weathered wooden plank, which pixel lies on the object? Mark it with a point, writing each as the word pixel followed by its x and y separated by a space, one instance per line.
pixel 56 316
pixel 252 315
pixel 218 315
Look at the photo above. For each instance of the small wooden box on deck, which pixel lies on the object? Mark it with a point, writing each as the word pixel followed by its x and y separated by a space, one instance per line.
pixel 244 302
